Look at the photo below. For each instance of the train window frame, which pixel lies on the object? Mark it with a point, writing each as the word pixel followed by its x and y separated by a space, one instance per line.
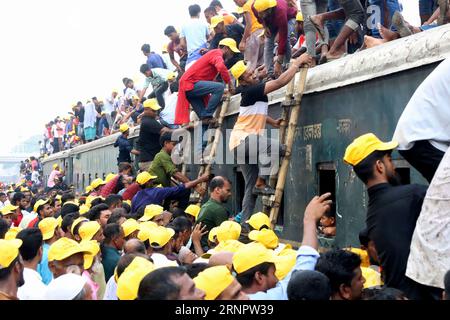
pixel 326 178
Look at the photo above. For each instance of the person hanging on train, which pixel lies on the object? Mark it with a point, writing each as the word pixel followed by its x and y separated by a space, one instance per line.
pixel 124 145
pixel 247 135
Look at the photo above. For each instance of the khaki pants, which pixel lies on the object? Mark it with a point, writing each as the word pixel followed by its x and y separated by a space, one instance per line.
pixel 254 50
pixel 145 166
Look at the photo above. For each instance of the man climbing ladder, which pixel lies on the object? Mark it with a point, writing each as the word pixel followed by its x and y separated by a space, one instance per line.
pixel 247 138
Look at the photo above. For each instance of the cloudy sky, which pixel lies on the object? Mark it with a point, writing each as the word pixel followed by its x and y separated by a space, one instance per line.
pixel 55 53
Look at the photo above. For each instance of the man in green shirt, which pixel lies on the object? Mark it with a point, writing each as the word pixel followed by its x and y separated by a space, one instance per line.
pixel 213 212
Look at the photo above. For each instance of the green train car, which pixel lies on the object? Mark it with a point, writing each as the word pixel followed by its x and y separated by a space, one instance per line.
pixel 363 92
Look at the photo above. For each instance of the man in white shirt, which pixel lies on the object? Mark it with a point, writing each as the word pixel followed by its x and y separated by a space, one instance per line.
pixel 423 130
pixel 31 252
pixel 3 200
pixel 194 35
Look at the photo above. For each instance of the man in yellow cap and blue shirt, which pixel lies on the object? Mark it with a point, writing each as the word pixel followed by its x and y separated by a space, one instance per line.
pixel 392 211
pixel 11 269
pixel 124 145
pixel 250 127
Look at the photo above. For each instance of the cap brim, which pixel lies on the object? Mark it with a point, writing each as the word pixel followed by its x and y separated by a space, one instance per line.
pixel 388 146
pixel 48 235
pixel 16 243
pixel 253 235
pixel 234 49
pixel 156 108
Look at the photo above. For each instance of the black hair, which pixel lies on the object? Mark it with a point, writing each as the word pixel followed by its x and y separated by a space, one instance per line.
pixel 339 266
pixel 144 68
pixel 113 199
pixel 96 211
pixel 111 231
pixel 124 166
pixel 364 169
pixel 96 202
pixel 116 214
pixel 194 10
pixel 68 220
pixel 180 224
pixel 364 237
pixel 385 293
pixel 194 269
pixel 76 229
pixel 308 285
pixel 247 277
pixel 169 30
pixel 69 208
pixel 4 226
pixel 2 194
pixel 216 3
pixel 139 213
pixel 447 285
pixel 138 246
pixel 178 212
pixel 217 182
pixel 159 284
pixel 6 272
pixel 67 196
pixel 126 206
pixel 145 48
pixel 210 9
pixel 174 86
pixel 31 242
pixel 17 197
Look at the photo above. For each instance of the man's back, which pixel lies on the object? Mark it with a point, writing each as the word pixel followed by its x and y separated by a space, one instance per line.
pixel 391 219
pixel 196 33
pixel 149 138
pixel 212 214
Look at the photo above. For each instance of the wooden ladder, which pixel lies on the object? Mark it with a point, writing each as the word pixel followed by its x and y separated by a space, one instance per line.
pixel 288 128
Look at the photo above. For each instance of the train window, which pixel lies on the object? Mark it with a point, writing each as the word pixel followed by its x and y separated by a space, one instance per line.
pixel 326 174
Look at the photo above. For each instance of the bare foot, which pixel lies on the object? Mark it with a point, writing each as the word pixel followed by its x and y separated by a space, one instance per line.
pixel 387 34
pixel 371 42
pixel 318 23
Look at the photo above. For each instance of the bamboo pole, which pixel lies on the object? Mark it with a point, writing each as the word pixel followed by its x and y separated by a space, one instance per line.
pixel 293 121
pixel 282 136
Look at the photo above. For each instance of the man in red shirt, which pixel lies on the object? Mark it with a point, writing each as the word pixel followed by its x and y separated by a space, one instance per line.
pixel 175 46
pixel 274 16
pixel 197 83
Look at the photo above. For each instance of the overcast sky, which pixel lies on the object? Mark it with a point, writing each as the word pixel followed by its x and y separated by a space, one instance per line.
pixel 54 53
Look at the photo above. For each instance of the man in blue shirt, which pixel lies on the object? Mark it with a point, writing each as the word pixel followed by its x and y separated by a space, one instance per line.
pixel 150 195
pixel 125 146
pixel 154 60
pixel 250 275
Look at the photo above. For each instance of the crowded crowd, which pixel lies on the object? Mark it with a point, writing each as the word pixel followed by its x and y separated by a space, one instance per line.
pixel 263 33
pixel 137 235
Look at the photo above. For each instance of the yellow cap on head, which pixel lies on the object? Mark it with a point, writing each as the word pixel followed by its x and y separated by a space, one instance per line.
pixel 299 16
pixel 39 203
pixel 48 227
pixel 259 220
pixel 88 230
pixel 193 210
pixel 110 176
pixel 363 146
pixel 216 20
pixel 152 104
pixel 12 233
pixel 64 248
pixel 151 211
pixel 228 230
pixel 250 255
pixel 9 251
pixel 129 226
pixel 160 236
pixel 8 209
pixel 129 281
pixel 266 237
pixel 238 69
pixel 213 234
pixel 94 248
pixel 97 183
pixel 230 43
pixel 143 177
pixel 263 5
pixel 214 281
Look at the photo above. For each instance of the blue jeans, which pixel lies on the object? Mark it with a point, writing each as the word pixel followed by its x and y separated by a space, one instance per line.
pixel 427 7
pixel 269 49
pixel 392 6
pixel 334 26
pixel 196 97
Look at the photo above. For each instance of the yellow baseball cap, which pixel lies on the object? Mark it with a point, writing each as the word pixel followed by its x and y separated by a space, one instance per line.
pixel 193 210
pixel 160 236
pixel 110 176
pixel 130 279
pixel 90 198
pixel 124 127
pixel 94 248
pixel 214 281
pixel 88 189
pixel 97 183
pixel 363 146
pixel 230 43
pixel 238 69
pixel 266 237
pixel 59 220
pixel 39 203
pixel 9 251
pixel 365 261
pixel 212 234
pixel 229 246
pixel 171 76
pixel 228 230
pixel 151 211
pixel 64 248
pixel 259 220
pixel 372 277
pixel 129 226
pixel 76 222
pixel 84 209
pixel 58 197
pixel 152 104
pixel 8 209
pixel 88 230
pixel 299 16
pixel 145 229
pixel 135 97
pixel 216 20
pixel 55 166
pixel 263 5
pixel 285 261
pixel 251 255
pixel 48 227
pixel 143 177
pixel 12 233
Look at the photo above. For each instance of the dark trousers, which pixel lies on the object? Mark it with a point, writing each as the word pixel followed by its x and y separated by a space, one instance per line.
pixel 424 158
pixel 158 92
pixel 183 200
